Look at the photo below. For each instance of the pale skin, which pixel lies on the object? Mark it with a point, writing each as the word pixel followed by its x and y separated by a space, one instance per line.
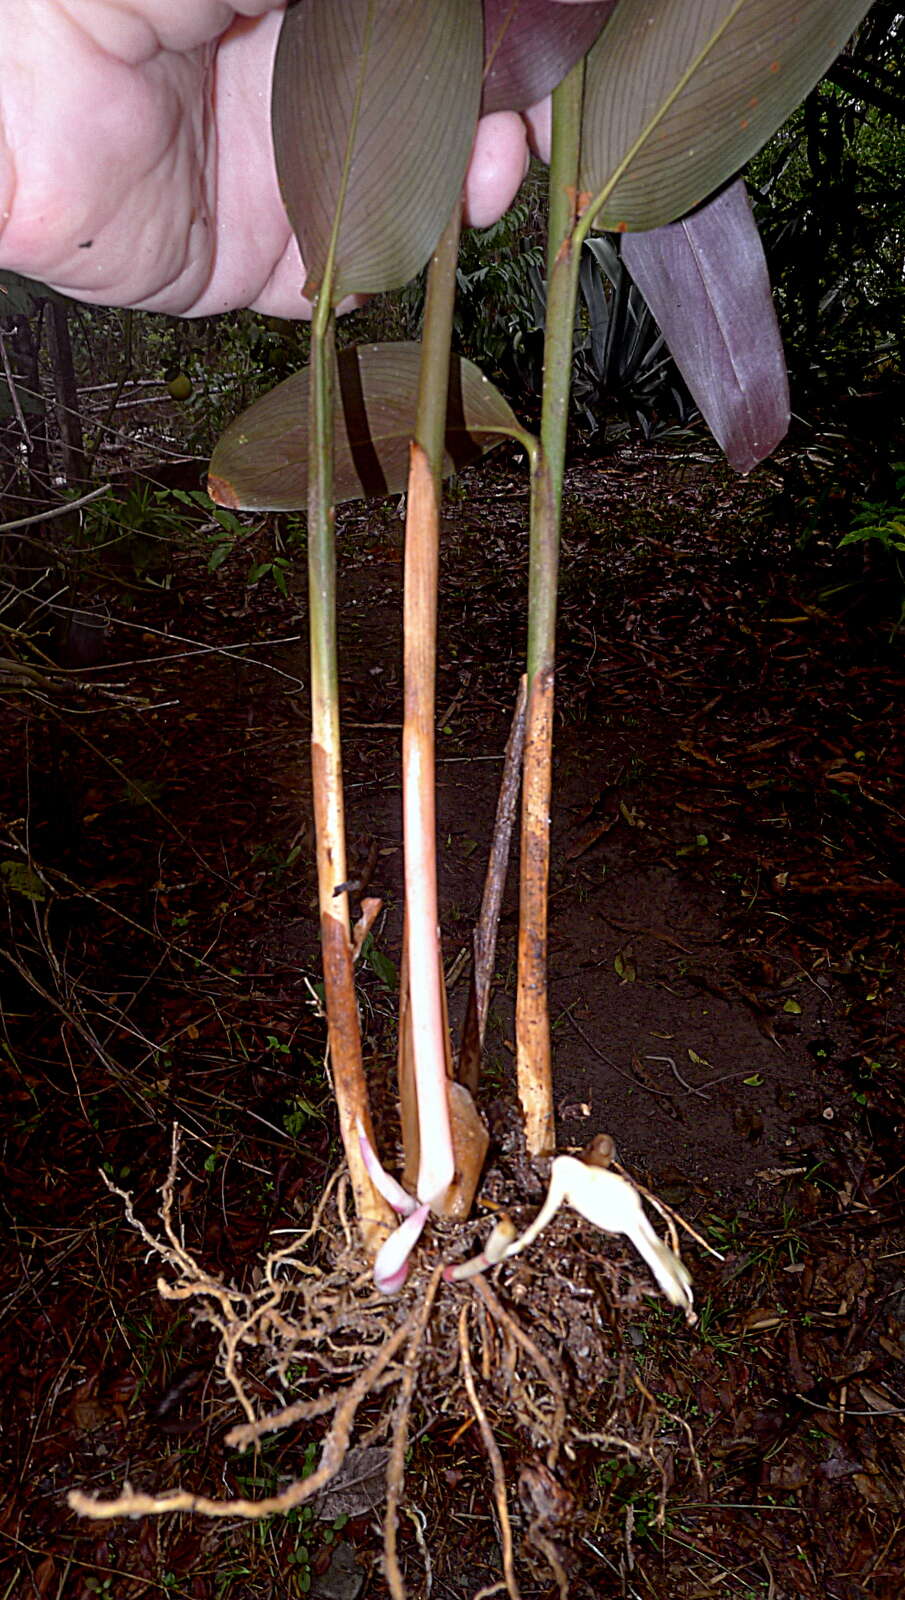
pixel 135 156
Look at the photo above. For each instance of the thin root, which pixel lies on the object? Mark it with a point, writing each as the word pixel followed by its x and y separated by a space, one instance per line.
pixel 496 1460
pixel 396 1465
pixel 546 1546
pixel 333 1454
pixel 544 1366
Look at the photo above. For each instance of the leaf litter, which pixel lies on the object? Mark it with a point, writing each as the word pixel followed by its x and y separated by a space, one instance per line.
pixel 703 693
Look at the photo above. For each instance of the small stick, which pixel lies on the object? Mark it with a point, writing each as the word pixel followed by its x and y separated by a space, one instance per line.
pixel 468 1069
pixel 671 1217
pixel 662 1094
pixel 488 923
pixel 56 511
pixel 678 1076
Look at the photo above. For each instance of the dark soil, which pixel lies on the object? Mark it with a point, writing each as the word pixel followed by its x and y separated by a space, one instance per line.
pixel 726 934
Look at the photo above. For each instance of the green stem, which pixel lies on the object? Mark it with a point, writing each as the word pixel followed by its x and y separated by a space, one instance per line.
pixel 436 342
pixel 344 1032
pixel 562 287
pixel 322 550
pixel 532 1012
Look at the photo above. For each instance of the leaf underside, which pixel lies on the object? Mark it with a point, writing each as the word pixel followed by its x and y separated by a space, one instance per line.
pixel 374 109
pixel 261 462
pixel 706 282
pixel 530 45
pixel 680 94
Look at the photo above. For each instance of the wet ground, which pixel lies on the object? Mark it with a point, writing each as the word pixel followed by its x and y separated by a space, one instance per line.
pixel 726 920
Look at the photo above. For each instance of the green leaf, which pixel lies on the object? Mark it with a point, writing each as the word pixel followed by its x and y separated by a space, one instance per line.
pixel 380 964
pixel 22 879
pixel 218 556
pixel 261 462
pixel 375 104
pixel 226 520
pixel 624 966
pixel 679 95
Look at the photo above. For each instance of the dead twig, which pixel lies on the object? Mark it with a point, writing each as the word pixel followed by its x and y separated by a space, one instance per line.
pixel 637 1083
pixel 495 882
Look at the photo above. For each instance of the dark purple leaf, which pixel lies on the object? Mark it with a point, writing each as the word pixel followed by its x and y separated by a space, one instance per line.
pixel 705 280
pixel 530 45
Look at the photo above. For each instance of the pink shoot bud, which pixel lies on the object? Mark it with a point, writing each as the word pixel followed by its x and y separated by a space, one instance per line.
pixel 392 1263
pixel 392 1191
pixel 494 1250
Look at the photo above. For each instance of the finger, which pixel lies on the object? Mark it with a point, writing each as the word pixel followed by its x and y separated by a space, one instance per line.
pixel 538 121
pixel 134 30
pixel 256 259
pixel 102 197
pixel 499 161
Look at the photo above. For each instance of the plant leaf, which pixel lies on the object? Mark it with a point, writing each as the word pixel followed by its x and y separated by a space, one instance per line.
pixel 20 878
pixel 679 94
pixel 530 45
pixel 614 1205
pixel 706 282
pixel 374 109
pixel 261 462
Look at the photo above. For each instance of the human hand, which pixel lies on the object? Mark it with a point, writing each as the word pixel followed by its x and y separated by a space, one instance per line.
pixel 136 165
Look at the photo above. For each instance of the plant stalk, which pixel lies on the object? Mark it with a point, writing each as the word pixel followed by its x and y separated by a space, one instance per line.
pixel 533 1058
pixel 436 1163
pixel 374 1215
pixel 423 1009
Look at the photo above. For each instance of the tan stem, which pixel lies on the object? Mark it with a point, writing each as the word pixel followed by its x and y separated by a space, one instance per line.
pixel 375 1216
pixel 422 538
pixel 405 1070
pixel 532 1024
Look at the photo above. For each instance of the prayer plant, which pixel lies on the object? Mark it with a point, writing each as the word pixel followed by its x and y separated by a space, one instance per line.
pixel 656 107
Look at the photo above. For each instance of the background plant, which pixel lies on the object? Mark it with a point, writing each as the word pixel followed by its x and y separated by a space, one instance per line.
pixel 832 217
